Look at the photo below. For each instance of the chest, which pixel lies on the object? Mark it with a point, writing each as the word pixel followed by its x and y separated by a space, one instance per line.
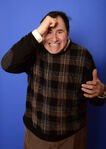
pixel 61 71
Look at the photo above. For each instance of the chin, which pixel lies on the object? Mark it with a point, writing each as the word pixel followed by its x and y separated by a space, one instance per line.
pixel 54 51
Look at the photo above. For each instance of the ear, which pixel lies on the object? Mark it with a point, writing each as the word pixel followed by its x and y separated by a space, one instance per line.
pixel 68 33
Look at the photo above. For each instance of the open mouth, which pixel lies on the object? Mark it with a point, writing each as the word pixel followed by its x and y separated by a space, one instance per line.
pixel 54 44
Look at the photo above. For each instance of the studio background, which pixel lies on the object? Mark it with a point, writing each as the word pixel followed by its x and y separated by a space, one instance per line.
pixel 88 28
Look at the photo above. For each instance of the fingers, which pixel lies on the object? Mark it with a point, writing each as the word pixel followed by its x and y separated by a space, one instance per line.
pixel 90 95
pixel 95 74
pixel 53 22
pixel 91 83
pixel 90 89
pixel 47 23
pixel 93 88
pixel 85 86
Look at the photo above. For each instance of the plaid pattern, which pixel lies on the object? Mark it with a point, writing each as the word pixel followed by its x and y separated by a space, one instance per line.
pixel 55 105
pixel 55 102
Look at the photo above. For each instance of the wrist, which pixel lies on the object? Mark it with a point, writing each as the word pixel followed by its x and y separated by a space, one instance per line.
pixel 40 30
pixel 104 94
pixel 37 35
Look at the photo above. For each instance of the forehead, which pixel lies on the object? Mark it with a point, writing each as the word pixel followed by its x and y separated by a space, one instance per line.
pixel 60 23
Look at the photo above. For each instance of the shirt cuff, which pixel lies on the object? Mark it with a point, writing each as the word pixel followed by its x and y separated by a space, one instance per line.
pixel 104 95
pixel 38 37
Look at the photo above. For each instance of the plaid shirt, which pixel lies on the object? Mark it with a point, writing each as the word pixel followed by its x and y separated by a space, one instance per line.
pixel 55 105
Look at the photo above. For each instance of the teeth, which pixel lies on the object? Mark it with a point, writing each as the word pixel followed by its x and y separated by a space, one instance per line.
pixel 53 44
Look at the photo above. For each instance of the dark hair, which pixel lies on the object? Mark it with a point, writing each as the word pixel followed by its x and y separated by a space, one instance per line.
pixel 54 14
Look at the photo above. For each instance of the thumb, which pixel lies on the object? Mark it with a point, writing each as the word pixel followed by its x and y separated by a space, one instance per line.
pixel 95 74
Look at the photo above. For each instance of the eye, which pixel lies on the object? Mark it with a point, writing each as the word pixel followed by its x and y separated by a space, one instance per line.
pixel 60 32
pixel 49 32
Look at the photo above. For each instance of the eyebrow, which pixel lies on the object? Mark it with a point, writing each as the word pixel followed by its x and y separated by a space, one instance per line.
pixel 60 30
pixel 50 29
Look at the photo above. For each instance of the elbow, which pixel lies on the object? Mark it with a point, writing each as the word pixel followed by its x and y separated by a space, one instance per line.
pixel 6 61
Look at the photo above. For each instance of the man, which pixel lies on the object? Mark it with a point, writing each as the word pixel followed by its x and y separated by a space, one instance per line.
pixel 61 80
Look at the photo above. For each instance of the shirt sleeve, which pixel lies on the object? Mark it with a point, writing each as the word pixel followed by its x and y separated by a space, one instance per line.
pixel 104 95
pixel 37 36
pixel 90 65
pixel 20 55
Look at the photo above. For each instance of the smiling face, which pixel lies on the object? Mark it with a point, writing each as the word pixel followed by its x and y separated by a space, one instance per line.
pixel 56 38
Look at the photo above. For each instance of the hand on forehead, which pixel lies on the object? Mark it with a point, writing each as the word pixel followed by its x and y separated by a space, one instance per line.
pixel 53 21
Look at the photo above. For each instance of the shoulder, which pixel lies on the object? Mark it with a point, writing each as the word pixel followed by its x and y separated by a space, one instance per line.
pixel 79 49
pixel 82 54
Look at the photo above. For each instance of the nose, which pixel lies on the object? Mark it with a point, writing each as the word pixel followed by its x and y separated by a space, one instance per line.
pixel 54 37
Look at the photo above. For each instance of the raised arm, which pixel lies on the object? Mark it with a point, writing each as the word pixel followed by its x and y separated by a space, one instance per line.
pixel 17 58
pixel 22 53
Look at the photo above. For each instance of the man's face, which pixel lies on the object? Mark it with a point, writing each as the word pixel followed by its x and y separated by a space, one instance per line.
pixel 56 38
